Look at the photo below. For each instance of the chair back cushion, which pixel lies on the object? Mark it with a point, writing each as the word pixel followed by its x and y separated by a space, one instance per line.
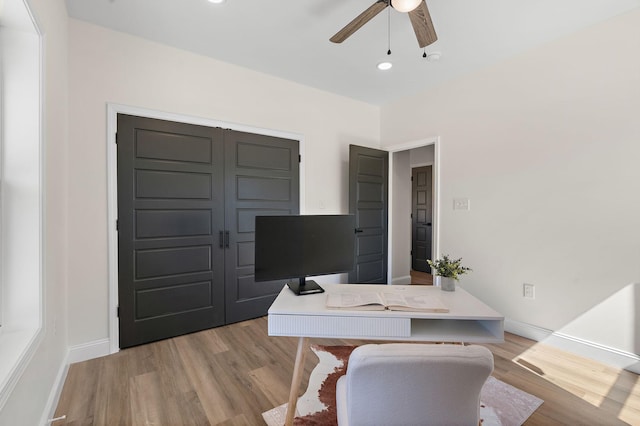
pixel 413 384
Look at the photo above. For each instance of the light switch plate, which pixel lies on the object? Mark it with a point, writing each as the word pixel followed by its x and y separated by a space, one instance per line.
pixel 528 291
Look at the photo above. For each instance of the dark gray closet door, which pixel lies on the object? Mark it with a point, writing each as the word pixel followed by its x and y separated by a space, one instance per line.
pixel 262 178
pixel 369 202
pixel 170 212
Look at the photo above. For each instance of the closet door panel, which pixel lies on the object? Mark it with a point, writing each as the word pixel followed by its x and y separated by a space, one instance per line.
pixel 261 178
pixel 170 208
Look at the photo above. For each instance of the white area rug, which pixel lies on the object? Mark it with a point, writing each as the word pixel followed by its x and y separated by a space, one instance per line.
pixel 501 404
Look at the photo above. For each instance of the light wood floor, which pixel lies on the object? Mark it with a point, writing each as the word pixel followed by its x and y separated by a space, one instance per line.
pixel 230 375
pixel 422 278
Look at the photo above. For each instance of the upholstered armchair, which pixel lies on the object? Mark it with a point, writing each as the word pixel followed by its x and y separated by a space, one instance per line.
pixel 413 384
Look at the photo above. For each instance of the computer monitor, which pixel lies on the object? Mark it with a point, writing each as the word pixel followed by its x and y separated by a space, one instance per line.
pixel 296 247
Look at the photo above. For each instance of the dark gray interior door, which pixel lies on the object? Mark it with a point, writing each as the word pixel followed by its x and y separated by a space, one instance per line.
pixel 368 201
pixel 170 208
pixel 421 217
pixel 262 178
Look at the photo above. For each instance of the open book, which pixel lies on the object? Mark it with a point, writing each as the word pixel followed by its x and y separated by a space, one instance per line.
pixel 383 300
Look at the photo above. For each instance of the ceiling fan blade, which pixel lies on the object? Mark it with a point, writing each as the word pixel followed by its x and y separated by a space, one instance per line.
pixel 359 21
pixel 422 25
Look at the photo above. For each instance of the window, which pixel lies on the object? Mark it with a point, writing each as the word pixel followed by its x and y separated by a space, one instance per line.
pixel 20 192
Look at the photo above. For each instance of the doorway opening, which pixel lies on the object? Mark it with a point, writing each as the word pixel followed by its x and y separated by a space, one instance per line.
pixel 409 239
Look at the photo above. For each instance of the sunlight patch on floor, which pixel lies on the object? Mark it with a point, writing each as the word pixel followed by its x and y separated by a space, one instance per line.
pixel 605 385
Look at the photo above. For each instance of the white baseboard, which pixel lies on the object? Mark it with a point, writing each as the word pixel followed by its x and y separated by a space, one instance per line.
pixel 90 350
pixel 77 353
pixel 406 280
pixel 606 355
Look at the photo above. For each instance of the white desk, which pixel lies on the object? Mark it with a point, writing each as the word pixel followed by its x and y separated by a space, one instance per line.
pixel 469 320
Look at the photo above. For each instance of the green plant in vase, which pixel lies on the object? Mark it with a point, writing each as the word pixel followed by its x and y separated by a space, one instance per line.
pixel 449 270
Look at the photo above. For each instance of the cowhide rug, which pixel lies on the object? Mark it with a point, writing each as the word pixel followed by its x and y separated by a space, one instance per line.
pixel 500 404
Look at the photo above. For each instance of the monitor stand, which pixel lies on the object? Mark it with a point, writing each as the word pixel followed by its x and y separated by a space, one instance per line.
pixel 303 287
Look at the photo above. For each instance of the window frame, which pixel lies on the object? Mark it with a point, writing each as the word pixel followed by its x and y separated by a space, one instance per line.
pixel 21 192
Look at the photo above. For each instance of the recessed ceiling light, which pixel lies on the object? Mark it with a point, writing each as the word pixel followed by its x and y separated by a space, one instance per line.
pixel 217 1
pixel 385 66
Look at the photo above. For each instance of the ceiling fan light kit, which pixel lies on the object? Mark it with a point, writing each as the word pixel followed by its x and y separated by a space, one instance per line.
pixel 405 5
pixel 418 15
pixel 384 66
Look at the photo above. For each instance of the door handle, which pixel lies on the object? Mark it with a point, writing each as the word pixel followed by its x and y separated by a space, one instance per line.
pixel 358 230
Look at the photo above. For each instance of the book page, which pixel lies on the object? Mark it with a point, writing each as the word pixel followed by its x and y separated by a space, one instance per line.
pixel 349 300
pixel 393 299
pixel 418 302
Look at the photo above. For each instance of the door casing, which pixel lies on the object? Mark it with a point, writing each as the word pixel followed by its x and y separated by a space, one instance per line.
pixel 394 149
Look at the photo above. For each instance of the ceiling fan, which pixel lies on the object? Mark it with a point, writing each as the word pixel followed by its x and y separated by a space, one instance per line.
pixel 418 14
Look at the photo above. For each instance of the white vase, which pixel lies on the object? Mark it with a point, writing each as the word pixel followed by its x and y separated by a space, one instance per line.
pixel 445 283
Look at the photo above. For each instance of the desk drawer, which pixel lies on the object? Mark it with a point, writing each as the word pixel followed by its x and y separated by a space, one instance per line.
pixel 344 327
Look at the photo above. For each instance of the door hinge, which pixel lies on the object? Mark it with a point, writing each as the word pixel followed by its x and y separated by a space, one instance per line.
pixel 116 137
pixel 299 158
pixel 117 225
pixel 118 311
pixel 411 178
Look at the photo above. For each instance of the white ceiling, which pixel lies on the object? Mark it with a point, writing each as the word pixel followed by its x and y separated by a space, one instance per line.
pixel 290 38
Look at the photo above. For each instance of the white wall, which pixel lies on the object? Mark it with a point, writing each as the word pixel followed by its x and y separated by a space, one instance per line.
pixel 423 156
pixel 546 147
pixel 107 66
pixel 31 394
